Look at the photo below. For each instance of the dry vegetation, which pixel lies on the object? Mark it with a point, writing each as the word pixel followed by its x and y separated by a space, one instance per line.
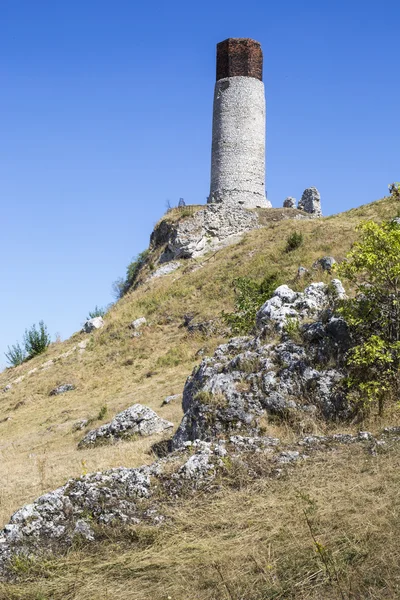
pixel 248 543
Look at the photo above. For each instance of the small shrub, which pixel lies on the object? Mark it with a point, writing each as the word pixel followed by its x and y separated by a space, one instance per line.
pixel 98 311
pixel 15 355
pixel 292 328
pixel 102 412
pixel 121 286
pixel 36 340
pixel 249 296
pixel 294 241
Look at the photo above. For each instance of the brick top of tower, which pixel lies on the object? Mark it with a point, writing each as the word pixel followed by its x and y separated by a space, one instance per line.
pixel 239 57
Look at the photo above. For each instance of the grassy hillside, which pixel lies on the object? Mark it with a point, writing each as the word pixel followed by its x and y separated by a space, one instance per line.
pixel 252 542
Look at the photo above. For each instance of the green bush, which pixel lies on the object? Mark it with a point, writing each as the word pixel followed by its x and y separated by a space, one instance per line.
pixel 373 267
pixel 293 241
pixel 15 355
pixel 36 340
pixel 121 286
pixel 249 296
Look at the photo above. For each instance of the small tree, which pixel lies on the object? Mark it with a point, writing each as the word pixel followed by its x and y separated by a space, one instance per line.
pixel 36 340
pixel 373 266
pixel 15 355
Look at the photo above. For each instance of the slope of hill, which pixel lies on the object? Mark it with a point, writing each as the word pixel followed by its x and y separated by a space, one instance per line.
pixel 320 531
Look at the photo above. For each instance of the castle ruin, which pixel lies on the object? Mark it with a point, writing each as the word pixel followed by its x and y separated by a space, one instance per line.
pixel 238 134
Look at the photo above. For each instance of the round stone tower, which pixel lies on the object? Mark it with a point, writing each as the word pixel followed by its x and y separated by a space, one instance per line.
pixel 238 137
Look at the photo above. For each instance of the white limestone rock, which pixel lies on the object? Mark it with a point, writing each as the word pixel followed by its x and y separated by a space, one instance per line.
pixel 138 323
pixel 286 304
pixel 310 202
pixel 215 226
pixel 92 324
pixel 165 270
pixel 135 420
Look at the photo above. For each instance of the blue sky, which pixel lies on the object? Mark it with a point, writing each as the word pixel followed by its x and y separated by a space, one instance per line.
pixel 105 114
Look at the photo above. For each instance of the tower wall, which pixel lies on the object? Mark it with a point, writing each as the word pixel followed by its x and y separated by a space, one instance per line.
pixel 238 138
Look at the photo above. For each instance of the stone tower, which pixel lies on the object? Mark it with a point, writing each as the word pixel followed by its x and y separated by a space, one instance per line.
pixel 238 136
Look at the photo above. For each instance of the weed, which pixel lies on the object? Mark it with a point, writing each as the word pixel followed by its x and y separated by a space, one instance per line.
pixel 102 412
pixel 294 241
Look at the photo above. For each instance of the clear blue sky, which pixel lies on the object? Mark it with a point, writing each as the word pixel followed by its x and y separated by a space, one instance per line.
pixel 105 113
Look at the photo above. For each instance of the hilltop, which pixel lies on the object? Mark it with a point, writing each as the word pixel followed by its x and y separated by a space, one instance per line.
pixel 248 537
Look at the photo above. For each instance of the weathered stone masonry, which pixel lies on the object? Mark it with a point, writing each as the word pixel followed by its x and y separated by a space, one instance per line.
pixel 238 140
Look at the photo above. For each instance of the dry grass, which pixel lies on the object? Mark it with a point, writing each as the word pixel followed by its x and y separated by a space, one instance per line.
pixel 329 530
pixel 38 446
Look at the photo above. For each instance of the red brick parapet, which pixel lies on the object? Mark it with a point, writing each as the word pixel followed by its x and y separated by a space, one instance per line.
pixel 239 57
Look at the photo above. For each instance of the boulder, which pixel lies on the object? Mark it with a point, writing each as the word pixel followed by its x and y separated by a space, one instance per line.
pixel 325 263
pixel 289 202
pixel 310 202
pixel 137 324
pixel 92 324
pixel 135 420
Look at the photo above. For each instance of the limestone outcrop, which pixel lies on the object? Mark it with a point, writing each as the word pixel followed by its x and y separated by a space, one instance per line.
pixel 135 420
pixel 298 373
pixel 310 202
pixel 121 496
pixel 213 227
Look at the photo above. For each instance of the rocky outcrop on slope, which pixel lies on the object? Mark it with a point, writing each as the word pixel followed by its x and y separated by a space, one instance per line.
pixel 279 371
pixel 135 420
pixel 122 496
pixel 208 229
